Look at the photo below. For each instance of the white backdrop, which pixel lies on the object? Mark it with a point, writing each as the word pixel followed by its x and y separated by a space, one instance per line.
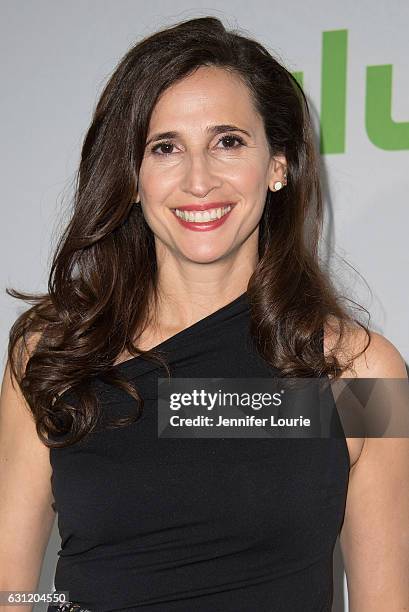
pixel 56 57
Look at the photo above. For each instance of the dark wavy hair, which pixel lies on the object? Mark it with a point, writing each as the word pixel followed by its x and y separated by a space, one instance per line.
pixel 104 272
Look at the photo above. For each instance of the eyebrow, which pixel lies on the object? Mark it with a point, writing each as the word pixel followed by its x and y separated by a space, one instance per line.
pixel 211 129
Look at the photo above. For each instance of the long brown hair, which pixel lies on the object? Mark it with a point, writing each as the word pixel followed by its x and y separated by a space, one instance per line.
pixel 103 274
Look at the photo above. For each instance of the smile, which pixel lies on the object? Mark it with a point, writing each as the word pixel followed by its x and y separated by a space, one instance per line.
pixel 205 220
pixel 201 216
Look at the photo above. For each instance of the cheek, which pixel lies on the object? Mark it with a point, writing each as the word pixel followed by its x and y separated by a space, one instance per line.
pixel 155 184
pixel 250 180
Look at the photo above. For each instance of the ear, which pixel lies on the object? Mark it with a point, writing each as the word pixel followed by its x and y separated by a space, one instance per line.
pixel 278 171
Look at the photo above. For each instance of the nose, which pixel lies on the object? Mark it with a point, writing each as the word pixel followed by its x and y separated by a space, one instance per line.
pixel 199 178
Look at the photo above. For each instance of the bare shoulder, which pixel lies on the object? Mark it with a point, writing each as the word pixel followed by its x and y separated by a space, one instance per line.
pixel 368 357
pixel 373 357
pixel 15 413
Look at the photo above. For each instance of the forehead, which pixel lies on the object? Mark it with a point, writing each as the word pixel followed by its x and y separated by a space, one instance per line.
pixel 208 95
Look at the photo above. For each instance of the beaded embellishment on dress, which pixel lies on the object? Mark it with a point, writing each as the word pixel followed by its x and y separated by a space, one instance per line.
pixel 68 606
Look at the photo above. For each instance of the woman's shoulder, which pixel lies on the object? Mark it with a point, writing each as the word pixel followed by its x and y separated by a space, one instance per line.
pixel 372 355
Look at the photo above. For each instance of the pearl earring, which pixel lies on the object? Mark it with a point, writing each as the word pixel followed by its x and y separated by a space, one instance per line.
pixel 277 185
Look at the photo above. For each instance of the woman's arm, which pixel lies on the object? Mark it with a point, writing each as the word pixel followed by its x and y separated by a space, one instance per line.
pixel 375 535
pixel 26 514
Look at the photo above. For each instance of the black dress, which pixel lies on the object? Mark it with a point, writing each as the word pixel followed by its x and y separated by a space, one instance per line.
pixel 231 525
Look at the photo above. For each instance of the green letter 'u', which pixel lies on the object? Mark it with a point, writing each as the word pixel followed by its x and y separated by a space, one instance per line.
pixel 382 130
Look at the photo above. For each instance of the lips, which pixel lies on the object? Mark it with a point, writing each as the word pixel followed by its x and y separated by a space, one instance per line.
pixel 204 225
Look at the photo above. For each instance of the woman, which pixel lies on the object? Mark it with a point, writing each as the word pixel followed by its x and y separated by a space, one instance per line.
pixel 143 285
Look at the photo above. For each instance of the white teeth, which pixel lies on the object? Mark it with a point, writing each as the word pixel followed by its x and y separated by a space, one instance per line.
pixel 202 216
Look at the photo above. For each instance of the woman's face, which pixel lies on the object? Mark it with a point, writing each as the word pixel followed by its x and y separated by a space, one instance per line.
pixel 206 162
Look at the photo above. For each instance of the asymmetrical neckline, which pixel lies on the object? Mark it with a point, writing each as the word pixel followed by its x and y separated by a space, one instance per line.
pixel 221 313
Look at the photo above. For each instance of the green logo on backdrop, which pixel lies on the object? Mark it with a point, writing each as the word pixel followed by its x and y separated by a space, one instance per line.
pixel 382 130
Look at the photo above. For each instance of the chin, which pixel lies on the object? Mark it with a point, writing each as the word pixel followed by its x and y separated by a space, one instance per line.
pixel 205 255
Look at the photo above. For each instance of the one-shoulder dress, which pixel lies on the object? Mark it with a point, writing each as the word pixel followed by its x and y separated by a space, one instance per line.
pixel 153 524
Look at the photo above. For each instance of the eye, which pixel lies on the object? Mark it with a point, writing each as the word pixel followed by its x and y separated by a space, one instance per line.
pixel 158 146
pixel 229 138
